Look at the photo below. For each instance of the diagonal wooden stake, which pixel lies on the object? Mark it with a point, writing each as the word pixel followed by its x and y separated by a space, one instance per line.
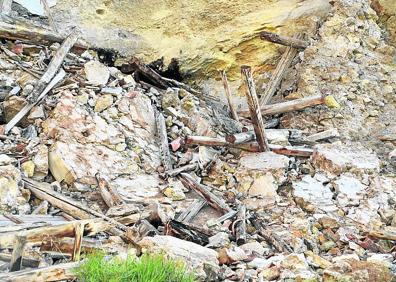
pixel 228 95
pixel 254 108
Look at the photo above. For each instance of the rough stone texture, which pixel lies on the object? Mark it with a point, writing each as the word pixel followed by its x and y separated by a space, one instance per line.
pixel 11 196
pixel 96 73
pixel 103 102
pixel 337 158
pixel 195 256
pixel 351 61
pixel 203 35
pixel 258 176
pixel 359 271
pixel 312 191
pixel 350 190
pixel 12 106
pixel 40 161
pixel 386 9
pixel 116 146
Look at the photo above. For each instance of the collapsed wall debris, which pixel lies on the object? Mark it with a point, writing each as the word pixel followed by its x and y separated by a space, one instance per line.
pixel 96 157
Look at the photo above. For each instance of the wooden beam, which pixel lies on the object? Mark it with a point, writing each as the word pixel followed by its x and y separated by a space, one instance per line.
pixel 253 103
pixel 240 138
pixel 191 211
pixel 185 168
pixel 227 90
pixel 277 75
pixel 289 106
pixel 163 140
pixel 78 237
pixel 58 272
pixel 283 40
pixel 66 204
pixel 17 252
pixel 92 226
pixel 204 191
pixel 26 31
pixel 240 225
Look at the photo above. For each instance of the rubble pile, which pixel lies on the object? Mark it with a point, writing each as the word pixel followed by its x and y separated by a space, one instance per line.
pixel 128 161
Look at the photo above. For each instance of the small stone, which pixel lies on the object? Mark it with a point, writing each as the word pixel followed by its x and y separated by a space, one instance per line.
pixel 36 112
pixel 96 73
pixel 175 191
pixel 331 102
pixel 264 186
pixel 5 160
pixel 384 259
pixel 170 99
pixel 327 246
pixel 12 106
pixel 350 190
pixel 28 168
pixel 253 248
pixel 40 161
pixel 83 98
pixel 103 102
pixel 271 273
pixel 115 91
pixel 317 260
pixel 219 240
pixel 328 222
pixel 120 147
pixel 295 262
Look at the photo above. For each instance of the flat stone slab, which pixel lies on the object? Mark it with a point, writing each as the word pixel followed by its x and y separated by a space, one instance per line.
pixel 337 158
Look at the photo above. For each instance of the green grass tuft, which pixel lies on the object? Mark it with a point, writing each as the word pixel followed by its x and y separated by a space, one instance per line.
pixel 147 268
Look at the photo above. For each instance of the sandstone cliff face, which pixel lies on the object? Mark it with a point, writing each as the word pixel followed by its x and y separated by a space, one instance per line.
pixel 386 9
pixel 205 36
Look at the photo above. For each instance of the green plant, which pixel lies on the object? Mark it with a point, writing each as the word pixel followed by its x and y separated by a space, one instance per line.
pixel 148 268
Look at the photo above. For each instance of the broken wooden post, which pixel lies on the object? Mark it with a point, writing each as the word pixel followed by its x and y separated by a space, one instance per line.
pixel 289 106
pixel 253 103
pixel 277 75
pixel 204 191
pixel 49 15
pixel 228 95
pixel 79 234
pixel 240 138
pixel 16 29
pixel 42 87
pixel 176 171
pixel 17 252
pixel 5 6
pixel 283 40
pixel 240 225
pixel 109 195
pixel 191 211
pixel 163 138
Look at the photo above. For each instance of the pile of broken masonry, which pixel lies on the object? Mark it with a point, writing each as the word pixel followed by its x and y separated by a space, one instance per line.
pixel 89 167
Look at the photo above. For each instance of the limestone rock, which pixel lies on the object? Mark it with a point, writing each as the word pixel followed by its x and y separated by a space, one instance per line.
pixel 40 161
pixel 264 186
pixel 195 256
pixel 311 191
pixel 350 190
pixel 5 160
pixel 103 102
pixel 358 271
pixel 337 158
pixel 96 73
pixel 11 197
pixel 219 240
pixel 28 168
pixel 171 99
pixel 252 248
pixel 35 113
pixel 12 106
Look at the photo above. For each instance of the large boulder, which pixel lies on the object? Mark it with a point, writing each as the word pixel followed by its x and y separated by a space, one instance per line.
pixel 200 259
